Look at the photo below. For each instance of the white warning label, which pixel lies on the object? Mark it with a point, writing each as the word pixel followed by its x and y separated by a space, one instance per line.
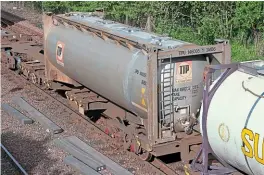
pixel 183 72
pixel 59 53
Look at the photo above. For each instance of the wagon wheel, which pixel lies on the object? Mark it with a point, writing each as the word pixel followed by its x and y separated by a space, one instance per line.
pixel 66 94
pixel 127 141
pixel 146 156
pixel 41 82
pixel 18 71
pixel 33 78
pixel 77 103
pixel 47 84
pixel 26 73
pixel 11 64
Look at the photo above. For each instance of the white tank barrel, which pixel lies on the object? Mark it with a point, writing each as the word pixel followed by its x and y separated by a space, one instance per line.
pixel 235 121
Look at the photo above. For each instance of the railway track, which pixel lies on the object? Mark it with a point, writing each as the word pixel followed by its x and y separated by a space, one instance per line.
pixel 9 18
pixel 13 160
pixel 35 79
pixel 20 25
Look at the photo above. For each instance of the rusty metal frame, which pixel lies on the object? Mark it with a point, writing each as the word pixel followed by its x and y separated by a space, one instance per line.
pixel 208 93
pixel 222 50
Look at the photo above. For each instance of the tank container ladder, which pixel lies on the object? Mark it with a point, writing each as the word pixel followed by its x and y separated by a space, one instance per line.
pixel 167 88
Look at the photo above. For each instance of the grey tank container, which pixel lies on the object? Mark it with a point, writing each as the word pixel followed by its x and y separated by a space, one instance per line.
pixel 116 72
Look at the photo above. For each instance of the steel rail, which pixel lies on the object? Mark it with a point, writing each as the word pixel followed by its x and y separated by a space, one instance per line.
pixel 6 21
pixel 160 166
pixel 14 160
pixel 11 17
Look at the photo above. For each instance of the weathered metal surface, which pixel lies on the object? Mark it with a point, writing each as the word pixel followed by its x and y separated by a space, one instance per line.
pixel 79 153
pixel 188 146
pixel 42 119
pixel 54 74
pixel 79 166
pixel 22 170
pixel 114 167
pixel 15 113
pixel 123 34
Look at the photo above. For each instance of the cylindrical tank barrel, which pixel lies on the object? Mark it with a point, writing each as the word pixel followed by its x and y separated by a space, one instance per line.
pixel 235 122
pixel 120 74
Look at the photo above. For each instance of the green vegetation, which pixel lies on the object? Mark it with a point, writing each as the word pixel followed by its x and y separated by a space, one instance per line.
pixel 197 22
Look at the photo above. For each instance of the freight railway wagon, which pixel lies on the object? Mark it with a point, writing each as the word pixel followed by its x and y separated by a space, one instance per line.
pixel 150 86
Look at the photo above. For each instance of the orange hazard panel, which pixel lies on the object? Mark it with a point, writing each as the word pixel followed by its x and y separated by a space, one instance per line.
pixel 183 72
pixel 59 53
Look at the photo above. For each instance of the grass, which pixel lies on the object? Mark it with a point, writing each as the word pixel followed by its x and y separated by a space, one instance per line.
pixel 242 53
pixel 239 52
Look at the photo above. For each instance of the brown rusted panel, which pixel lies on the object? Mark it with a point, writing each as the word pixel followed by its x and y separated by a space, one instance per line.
pixel 53 74
pixel 155 112
pixel 227 53
pixel 190 50
pixel 47 23
pixel 188 147
pixel 166 148
pixel 220 51
pixel 149 127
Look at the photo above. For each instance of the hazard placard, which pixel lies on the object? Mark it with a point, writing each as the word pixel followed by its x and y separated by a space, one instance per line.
pixel 60 53
pixel 143 96
pixel 183 72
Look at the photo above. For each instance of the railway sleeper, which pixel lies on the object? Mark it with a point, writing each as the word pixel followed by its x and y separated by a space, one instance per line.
pixel 16 38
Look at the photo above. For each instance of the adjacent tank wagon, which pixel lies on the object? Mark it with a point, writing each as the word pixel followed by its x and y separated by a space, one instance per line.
pixel 232 118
